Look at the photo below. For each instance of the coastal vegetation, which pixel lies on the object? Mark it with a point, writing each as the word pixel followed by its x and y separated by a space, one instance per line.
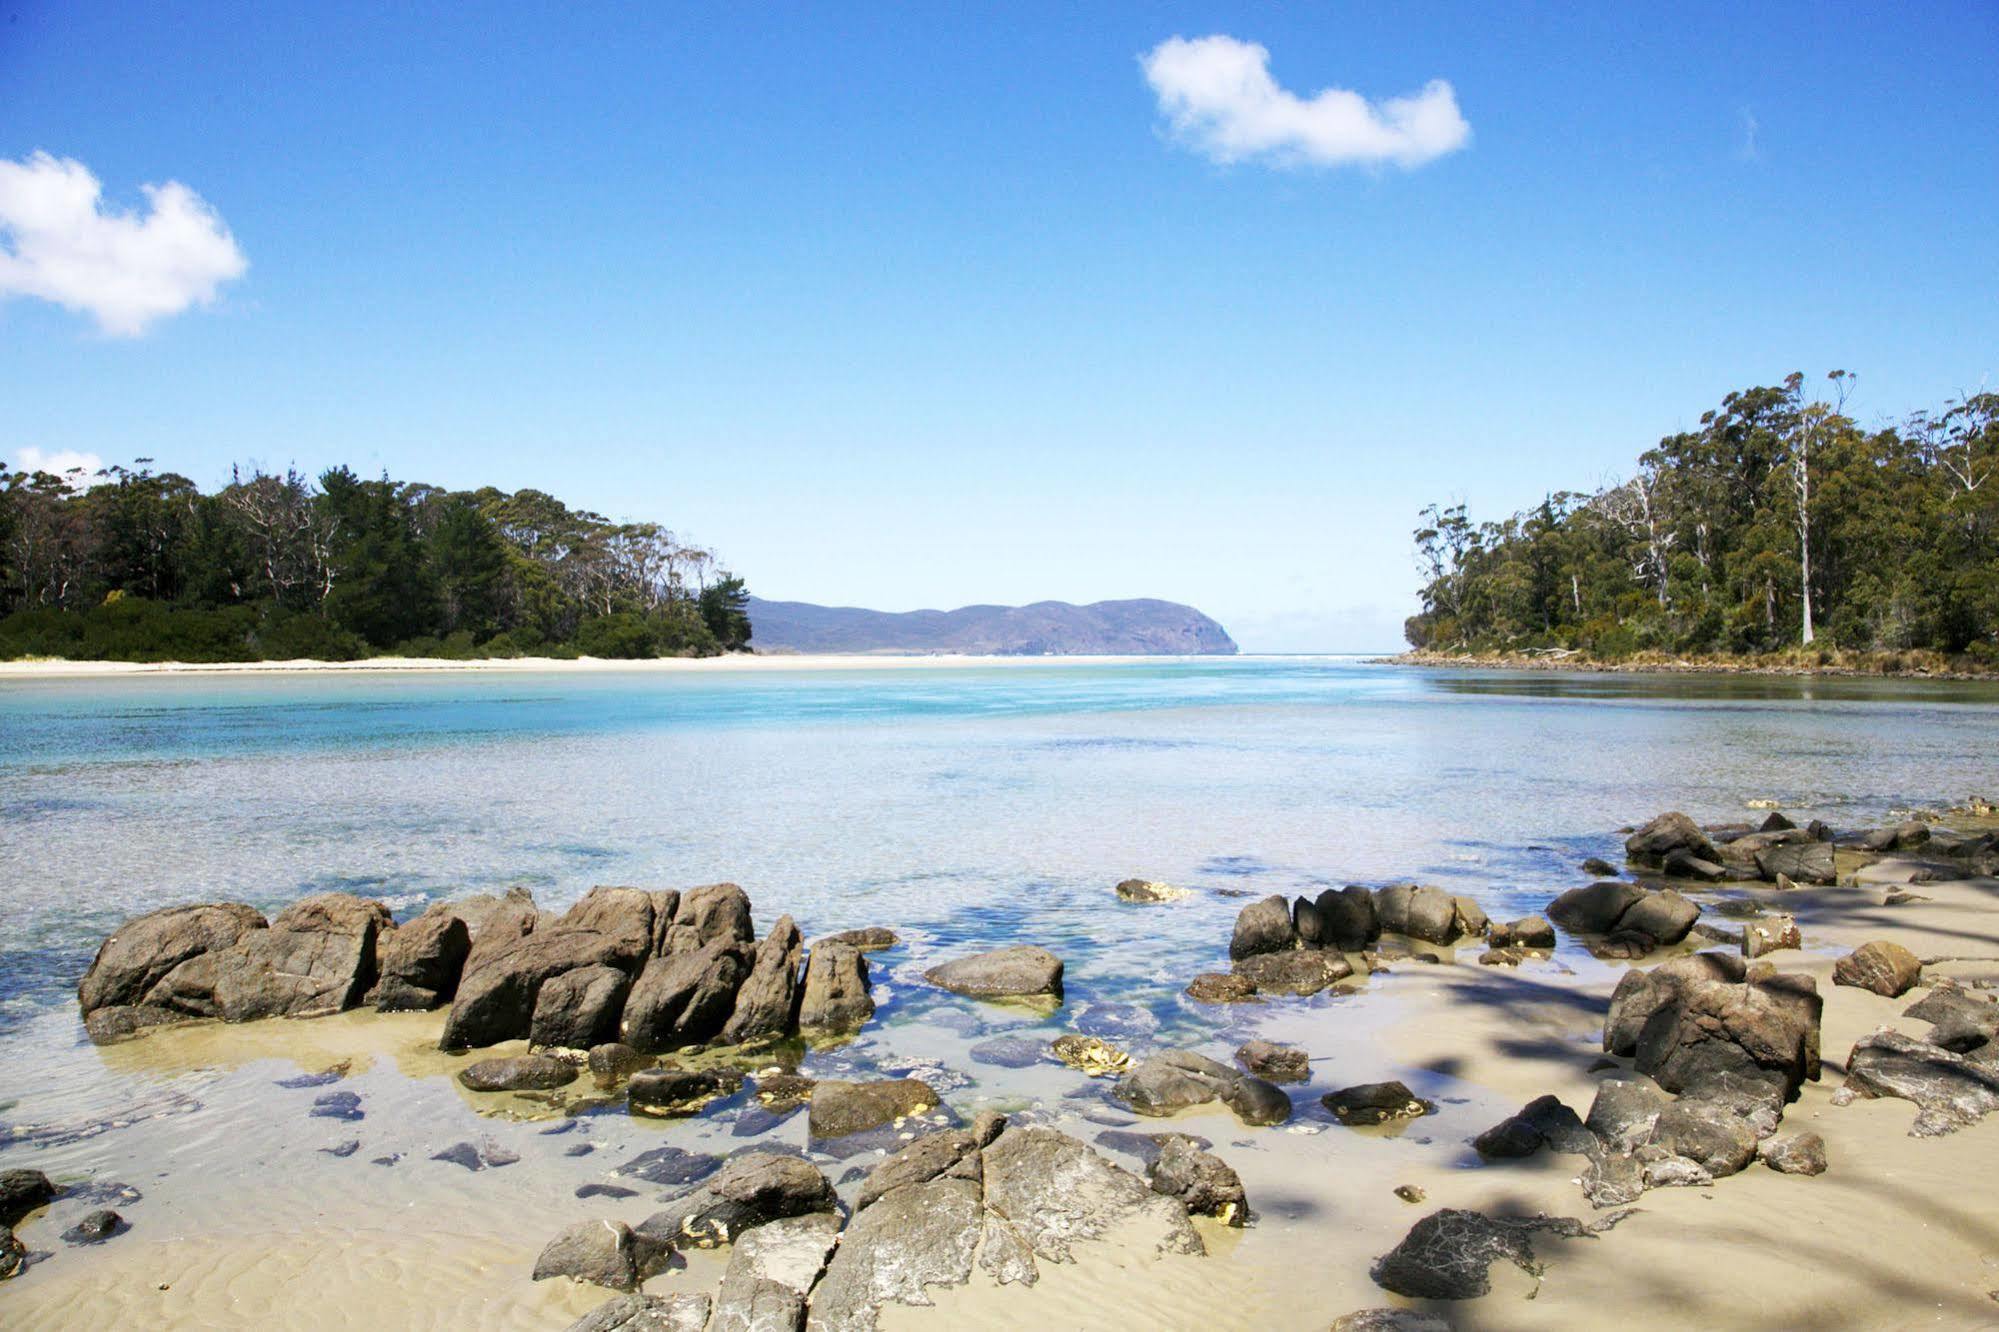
pixel 136 565
pixel 1780 532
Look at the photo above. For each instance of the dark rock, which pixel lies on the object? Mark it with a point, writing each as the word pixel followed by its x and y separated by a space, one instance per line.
pixel 1376 1103
pixel 21 1192
pixel 836 997
pixel 626 914
pixel 870 939
pixel 1255 1102
pixel 1663 916
pixel 503 979
pixel 1468 918
pixel 1263 927
pixel 1950 1091
pixel 143 950
pixel 1595 909
pixel 1446 1256
pixel 1526 932
pixel 419 963
pixel 953 1152
pixel 1202 1183
pixel 604 1253
pixel 1173 1081
pixel 1885 968
pixel 1145 1146
pixel 1600 868
pixel 781 1092
pixel 669 1165
pixel 1961 1021
pixel 1641 993
pixel 1510 1138
pixel 771 1272
pixel 1301 971
pixel 343 1150
pixel 1623 945
pixel 316 958
pixel 476 1156
pixel 1544 1121
pixel 1219 987
pixel 768 1000
pixel 1624 1113
pixel 1020 972
pixel 1278 1063
pixel 1682 865
pixel 533 1072
pixel 1668 833
pixel 718 913
pixel 1306 923
pixel 842 1108
pixel 1346 918
pixel 685 997
pixel 1805 862
pixel 614 1061
pixel 1799 1154
pixel 1088 1054
pixel 1717 1141
pixel 604 1190
pixel 343 1105
pixel 95 1228
pixel 1419 911
pixel 679 1091
pixel 750 1190
pixel 1146 892
pixel 1704 1029
pixel 579 1009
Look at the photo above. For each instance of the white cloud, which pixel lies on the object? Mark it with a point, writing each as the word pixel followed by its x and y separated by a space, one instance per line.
pixel 59 243
pixel 61 463
pixel 1218 95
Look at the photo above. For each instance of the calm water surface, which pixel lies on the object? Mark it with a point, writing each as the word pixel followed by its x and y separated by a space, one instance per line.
pixel 966 806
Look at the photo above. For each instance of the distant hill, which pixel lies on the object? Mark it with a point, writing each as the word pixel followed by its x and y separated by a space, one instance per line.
pixel 1047 628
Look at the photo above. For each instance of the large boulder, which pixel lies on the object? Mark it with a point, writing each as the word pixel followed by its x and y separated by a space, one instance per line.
pixel 914 1238
pixel 1801 862
pixel 316 958
pixel 1883 967
pixel 1526 932
pixel 579 1009
pixel 21 1192
pixel 626 914
pixel 768 1000
pixel 1054 1190
pixel 717 913
pixel 1346 918
pixel 1594 909
pixel 1624 1113
pixel 1765 1030
pixel 1263 927
pixel 496 923
pixel 952 1152
pixel 1278 1063
pixel 1719 1141
pixel 840 1108
pixel 836 997
pixel 1432 915
pixel 141 952
pixel 502 980
pixel 685 997
pixel 419 963
pixel 1668 833
pixel 1641 993
pixel 1020 972
pixel 1173 1081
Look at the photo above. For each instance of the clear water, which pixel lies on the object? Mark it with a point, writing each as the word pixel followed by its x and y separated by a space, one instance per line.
pixel 968 807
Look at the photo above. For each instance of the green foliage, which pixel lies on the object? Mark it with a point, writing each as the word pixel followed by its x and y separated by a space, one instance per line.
pixel 141 566
pixel 1779 523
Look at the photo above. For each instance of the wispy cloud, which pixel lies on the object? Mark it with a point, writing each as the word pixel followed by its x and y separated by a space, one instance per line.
pixel 80 468
pixel 1218 96
pixel 1748 151
pixel 59 243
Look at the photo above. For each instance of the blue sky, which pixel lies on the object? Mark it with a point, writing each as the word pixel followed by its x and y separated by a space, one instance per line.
pixel 928 306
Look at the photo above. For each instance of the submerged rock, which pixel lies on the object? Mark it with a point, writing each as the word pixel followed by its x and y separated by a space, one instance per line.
pixel 1090 1055
pixel 1220 987
pixel 1300 972
pixel 1278 1063
pixel 840 1108
pixel 1146 891
pixel 534 1072
pixel 1020 972
pixel 679 1091
pixel 95 1228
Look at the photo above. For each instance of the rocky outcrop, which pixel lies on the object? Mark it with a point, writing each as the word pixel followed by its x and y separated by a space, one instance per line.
pixel 836 997
pixel 141 952
pixel 771 1273
pixel 767 1004
pixel 502 980
pixel 751 1190
pixel 419 963
pixel 1885 968
pixel 1347 919
pixel 1653 918
pixel 579 1009
pixel 603 1253
pixel 840 1108
pixel 1201 1182
pixel 316 958
pixel 685 997
pixel 1709 1016
pixel 1950 1091
pixel 1300 971
pixel 1020 972
pixel 1665 836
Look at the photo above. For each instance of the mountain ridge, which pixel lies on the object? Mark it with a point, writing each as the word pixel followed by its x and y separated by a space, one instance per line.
pixel 1142 626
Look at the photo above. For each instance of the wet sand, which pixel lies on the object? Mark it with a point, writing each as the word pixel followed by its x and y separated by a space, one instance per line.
pixel 1900 1232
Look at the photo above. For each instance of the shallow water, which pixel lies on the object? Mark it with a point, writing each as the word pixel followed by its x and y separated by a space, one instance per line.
pixel 967 807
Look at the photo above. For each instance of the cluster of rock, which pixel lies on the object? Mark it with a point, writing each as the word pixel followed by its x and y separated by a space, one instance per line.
pixel 655 971
pixel 1002 1199
pixel 1778 851
pixel 1625 919
pixel 1720 1046
pixel 1952 1076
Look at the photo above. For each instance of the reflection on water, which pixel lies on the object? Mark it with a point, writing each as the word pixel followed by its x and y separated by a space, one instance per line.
pixel 967 808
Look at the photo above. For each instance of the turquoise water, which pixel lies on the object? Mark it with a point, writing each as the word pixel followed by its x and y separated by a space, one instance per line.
pixel 970 802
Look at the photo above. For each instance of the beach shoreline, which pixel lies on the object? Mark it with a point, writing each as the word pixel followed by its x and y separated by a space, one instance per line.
pixel 1873 667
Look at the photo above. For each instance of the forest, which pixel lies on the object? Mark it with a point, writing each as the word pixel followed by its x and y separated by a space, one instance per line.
pixel 130 564
pixel 1780 526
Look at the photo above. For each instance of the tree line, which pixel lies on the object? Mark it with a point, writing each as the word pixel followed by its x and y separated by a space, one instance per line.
pixel 137 565
pixel 1780 525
